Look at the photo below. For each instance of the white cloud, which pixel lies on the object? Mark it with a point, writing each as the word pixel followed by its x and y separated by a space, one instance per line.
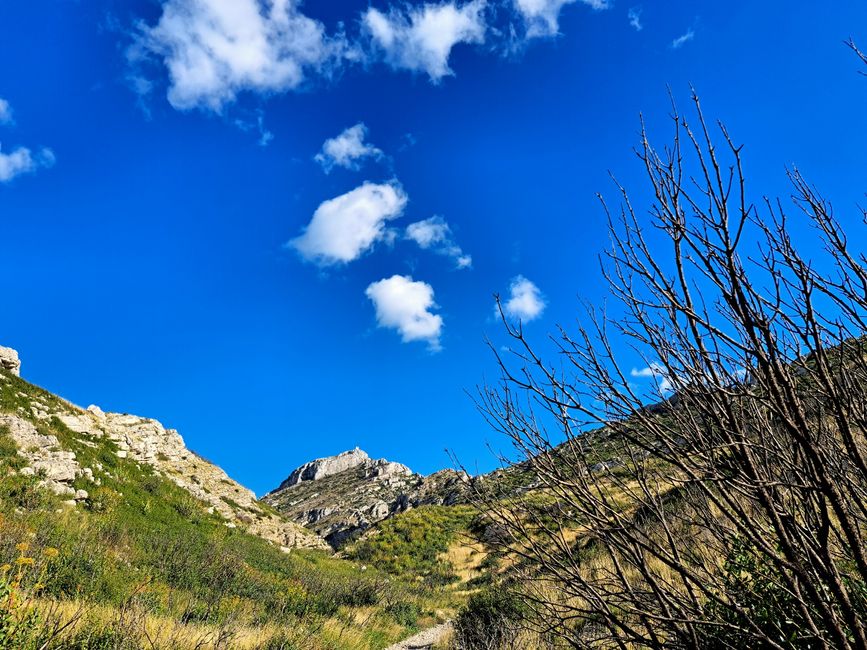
pixel 405 305
pixel 23 161
pixel 657 372
pixel 435 233
pixel 214 49
pixel 525 300
pixel 5 112
pixel 421 39
pixel 648 371
pixel 344 228
pixel 541 17
pixel 683 39
pixel 256 124
pixel 634 16
pixel 347 149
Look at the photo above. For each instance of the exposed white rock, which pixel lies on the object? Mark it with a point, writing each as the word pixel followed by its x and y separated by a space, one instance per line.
pixel 385 468
pixel 43 454
pixel 328 466
pixel 94 410
pixel 9 361
pixel 341 496
pixel 379 510
pixel 148 442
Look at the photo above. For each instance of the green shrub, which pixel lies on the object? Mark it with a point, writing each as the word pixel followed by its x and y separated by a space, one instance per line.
pixel 405 613
pixel 756 585
pixel 411 542
pixel 142 542
pixel 489 621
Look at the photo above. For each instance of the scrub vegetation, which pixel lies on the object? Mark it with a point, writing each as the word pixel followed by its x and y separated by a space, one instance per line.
pixel 731 512
pixel 141 564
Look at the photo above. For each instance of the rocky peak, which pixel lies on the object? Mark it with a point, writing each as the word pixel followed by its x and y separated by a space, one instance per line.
pixel 9 361
pixel 328 466
pixel 341 496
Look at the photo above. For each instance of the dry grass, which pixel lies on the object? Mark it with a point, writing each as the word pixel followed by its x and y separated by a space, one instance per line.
pixel 465 555
pixel 351 629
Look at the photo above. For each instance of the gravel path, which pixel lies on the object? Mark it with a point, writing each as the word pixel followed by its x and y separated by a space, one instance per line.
pixel 424 639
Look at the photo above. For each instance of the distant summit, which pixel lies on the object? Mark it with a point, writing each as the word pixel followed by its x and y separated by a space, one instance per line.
pixel 339 497
pixel 330 465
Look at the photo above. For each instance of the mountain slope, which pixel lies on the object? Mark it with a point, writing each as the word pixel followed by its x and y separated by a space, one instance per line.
pixel 339 497
pixel 143 440
pixel 110 523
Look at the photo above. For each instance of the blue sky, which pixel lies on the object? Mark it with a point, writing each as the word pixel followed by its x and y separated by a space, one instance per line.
pixel 172 245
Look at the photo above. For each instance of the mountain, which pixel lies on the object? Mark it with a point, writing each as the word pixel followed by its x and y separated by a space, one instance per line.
pixel 145 441
pixel 339 497
pixel 122 537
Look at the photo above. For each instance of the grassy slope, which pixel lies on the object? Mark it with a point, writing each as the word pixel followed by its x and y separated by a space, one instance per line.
pixel 141 544
pixel 413 543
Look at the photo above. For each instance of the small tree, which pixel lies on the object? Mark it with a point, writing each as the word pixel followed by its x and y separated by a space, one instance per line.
pixel 733 512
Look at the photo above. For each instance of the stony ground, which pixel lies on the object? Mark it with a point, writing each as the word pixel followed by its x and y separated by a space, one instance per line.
pixel 424 639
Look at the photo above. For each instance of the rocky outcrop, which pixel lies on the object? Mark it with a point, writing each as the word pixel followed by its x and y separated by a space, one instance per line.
pixel 141 440
pixel 9 361
pixel 147 441
pixel 328 466
pixel 341 496
pixel 56 468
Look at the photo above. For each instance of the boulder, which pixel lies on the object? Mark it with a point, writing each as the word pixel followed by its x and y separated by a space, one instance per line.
pixel 9 361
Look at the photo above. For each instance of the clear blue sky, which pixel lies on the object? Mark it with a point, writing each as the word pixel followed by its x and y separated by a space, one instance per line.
pixel 169 245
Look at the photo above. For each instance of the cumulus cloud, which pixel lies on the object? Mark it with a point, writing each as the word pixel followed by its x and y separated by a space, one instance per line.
pixel 5 112
pixel 405 305
pixel 542 17
pixel 435 234
pixel 683 39
pixel 23 161
pixel 347 149
pixel 654 371
pixel 525 300
pixel 344 228
pixel 634 16
pixel 214 49
pixel 421 38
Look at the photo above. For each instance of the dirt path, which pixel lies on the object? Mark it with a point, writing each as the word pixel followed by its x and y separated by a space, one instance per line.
pixel 424 639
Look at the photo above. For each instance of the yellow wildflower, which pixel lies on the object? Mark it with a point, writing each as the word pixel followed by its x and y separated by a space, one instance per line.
pixel 29 561
pixel 23 547
pixel 5 568
pixel 51 552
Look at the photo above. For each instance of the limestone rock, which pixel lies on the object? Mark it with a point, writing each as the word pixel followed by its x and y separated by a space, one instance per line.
pixel 341 496
pixel 147 442
pixel 9 361
pixel 97 412
pixel 322 467
pixel 43 454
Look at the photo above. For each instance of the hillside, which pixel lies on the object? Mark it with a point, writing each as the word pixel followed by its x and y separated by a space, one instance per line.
pixel 114 535
pixel 339 497
pixel 154 542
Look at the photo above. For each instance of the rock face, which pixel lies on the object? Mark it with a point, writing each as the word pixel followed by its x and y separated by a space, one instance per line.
pixel 56 467
pixel 9 361
pixel 145 441
pixel 322 467
pixel 341 496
